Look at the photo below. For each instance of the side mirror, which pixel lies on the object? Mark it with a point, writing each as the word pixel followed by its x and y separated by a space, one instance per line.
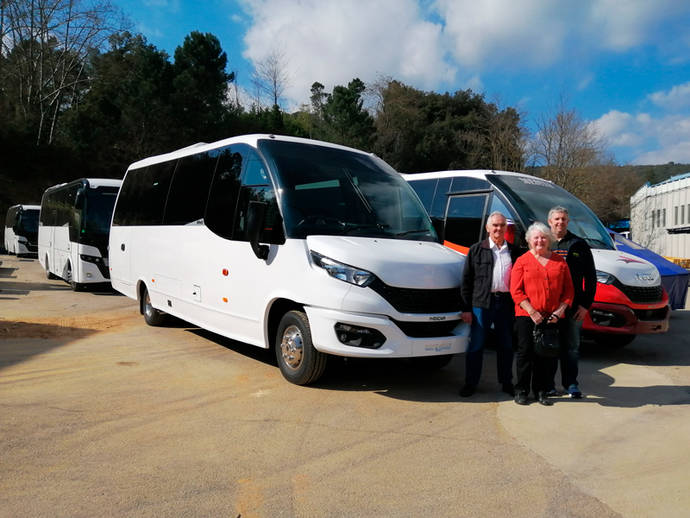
pixel 256 214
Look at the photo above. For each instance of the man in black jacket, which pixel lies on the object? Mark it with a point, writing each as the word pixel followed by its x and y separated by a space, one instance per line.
pixel 486 300
pixel 578 255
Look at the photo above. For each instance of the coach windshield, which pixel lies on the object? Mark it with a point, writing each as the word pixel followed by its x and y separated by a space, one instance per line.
pixel 333 191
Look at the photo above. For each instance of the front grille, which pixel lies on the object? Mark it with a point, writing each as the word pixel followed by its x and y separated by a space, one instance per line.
pixel 651 314
pixel 427 329
pixel 641 294
pixel 408 300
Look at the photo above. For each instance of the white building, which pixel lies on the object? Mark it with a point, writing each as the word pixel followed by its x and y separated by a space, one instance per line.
pixel 660 217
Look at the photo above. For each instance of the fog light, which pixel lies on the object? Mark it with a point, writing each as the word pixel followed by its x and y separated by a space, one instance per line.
pixel 88 275
pixel 602 318
pixel 357 336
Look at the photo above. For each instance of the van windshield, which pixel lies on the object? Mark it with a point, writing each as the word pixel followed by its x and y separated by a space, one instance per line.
pixel 533 198
pixel 330 191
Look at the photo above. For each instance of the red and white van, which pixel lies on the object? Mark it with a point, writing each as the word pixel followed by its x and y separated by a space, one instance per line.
pixel 630 298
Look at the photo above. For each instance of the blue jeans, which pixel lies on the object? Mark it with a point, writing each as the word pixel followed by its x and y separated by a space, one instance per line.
pixel 501 314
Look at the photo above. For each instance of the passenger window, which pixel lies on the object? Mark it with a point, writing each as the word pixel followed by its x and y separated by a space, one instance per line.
pixel 465 219
pixel 256 186
pixel 189 190
pixel 225 188
pixel 425 190
pixel 143 195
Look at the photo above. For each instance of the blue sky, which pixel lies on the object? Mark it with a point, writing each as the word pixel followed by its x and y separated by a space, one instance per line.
pixel 624 65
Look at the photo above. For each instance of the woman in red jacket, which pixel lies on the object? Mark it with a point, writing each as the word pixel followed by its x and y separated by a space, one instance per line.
pixel 542 289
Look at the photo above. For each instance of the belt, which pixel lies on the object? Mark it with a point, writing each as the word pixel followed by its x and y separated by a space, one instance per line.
pixel 500 293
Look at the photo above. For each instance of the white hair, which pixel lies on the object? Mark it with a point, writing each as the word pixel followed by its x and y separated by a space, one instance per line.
pixel 540 227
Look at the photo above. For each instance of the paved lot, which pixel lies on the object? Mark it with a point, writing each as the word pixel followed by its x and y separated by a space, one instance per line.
pixel 101 415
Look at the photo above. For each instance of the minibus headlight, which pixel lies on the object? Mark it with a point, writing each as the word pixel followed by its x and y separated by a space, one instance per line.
pixel 605 278
pixel 344 272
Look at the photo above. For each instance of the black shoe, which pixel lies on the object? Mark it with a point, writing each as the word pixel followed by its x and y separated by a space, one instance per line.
pixel 543 399
pixel 508 389
pixel 521 398
pixel 468 390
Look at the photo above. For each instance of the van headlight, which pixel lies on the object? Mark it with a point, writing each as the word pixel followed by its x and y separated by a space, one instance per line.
pixel 342 271
pixel 605 278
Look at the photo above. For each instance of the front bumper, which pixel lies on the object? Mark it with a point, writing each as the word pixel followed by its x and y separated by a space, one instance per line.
pixel 397 344
pixel 625 320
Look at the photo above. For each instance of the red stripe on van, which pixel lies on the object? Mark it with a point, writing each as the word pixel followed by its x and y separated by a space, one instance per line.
pixel 458 248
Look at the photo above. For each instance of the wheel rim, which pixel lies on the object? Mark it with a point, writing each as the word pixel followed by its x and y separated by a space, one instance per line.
pixel 148 308
pixel 69 273
pixel 292 347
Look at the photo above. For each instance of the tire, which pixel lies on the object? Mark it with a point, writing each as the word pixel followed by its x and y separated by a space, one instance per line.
pixel 431 363
pixel 613 341
pixel 49 276
pixel 152 316
pixel 70 279
pixel 298 360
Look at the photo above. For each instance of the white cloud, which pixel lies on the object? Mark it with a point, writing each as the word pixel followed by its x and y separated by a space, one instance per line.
pixel 334 41
pixel 667 137
pixel 538 33
pixel 673 99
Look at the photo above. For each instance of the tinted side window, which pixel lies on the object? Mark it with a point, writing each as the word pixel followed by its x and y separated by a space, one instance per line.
pixel 143 195
pixel 256 186
pixel 464 221
pixel 425 190
pixel 464 183
pixel 189 190
pixel 225 188
pixel 438 207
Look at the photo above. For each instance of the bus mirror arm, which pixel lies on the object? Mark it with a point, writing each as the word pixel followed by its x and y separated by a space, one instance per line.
pixel 256 213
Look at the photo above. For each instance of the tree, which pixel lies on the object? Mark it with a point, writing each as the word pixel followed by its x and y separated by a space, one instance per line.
pixel 45 45
pixel 271 76
pixel 564 146
pixel 200 84
pixel 345 120
pixel 127 114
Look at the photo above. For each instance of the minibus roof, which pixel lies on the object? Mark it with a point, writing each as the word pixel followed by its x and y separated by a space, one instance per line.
pixel 242 139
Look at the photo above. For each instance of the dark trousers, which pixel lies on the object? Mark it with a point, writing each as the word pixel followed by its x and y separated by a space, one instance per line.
pixel 570 353
pixel 533 371
pixel 500 313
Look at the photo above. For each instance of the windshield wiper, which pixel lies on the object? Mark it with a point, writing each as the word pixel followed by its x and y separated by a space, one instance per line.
pixel 360 226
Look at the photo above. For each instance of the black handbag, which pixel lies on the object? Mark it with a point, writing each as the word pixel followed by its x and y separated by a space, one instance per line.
pixel 546 341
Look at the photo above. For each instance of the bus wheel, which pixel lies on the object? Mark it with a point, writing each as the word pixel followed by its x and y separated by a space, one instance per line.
pixel 70 279
pixel 152 316
pixel 298 360
pixel 48 274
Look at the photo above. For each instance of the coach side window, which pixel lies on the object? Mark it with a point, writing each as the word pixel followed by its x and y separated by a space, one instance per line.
pixel 438 207
pixel 225 188
pixel 425 190
pixel 143 194
pixel 189 189
pixel 256 186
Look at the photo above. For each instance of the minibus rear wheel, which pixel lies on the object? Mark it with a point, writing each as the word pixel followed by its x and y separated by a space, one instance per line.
pixel 298 360
pixel 152 316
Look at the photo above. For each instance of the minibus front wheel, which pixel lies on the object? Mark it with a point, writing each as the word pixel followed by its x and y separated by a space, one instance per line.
pixel 298 360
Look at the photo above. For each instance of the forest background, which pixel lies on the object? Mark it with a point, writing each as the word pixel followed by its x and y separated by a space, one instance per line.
pixel 83 96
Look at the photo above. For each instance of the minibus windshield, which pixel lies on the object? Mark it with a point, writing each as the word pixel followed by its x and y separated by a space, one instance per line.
pixel 98 209
pixel 533 198
pixel 330 191
pixel 28 222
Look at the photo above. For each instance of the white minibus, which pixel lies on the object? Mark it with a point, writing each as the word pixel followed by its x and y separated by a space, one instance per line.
pixel 73 230
pixel 311 248
pixel 629 299
pixel 21 229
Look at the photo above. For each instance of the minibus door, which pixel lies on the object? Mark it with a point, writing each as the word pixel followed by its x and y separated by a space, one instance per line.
pixel 464 221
